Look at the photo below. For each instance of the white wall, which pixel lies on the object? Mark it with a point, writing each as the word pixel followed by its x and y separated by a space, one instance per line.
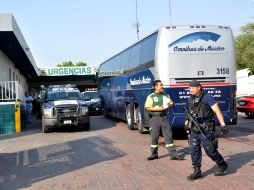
pixel 5 65
pixel 245 83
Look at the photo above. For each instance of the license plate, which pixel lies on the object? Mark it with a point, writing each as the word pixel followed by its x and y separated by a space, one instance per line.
pixel 67 122
pixel 242 103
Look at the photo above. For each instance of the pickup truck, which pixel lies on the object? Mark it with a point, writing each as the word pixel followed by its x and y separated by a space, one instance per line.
pixel 64 106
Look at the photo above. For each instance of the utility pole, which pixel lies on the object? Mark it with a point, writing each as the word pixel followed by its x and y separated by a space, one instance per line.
pixel 137 23
pixel 170 12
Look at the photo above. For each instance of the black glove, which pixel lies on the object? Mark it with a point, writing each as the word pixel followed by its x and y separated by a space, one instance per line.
pixel 224 130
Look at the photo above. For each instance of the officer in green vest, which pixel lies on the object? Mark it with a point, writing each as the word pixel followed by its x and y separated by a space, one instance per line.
pixel 157 104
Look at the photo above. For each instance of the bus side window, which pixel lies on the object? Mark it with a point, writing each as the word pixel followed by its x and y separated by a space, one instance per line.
pixel 135 56
pixel 148 51
pixel 117 64
pixel 125 60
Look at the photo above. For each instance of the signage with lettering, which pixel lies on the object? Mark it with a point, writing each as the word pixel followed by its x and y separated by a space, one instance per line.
pixel 62 71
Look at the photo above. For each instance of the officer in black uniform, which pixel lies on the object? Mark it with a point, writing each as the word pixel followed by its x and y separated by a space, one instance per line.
pixel 158 104
pixel 204 106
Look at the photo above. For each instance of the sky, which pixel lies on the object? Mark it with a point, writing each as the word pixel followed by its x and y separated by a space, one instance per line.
pixel 94 30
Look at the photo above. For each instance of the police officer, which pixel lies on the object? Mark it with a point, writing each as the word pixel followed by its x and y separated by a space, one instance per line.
pixel 29 107
pixel 158 104
pixel 204 107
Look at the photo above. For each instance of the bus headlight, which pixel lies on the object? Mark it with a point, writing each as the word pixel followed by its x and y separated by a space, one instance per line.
pixel 84 110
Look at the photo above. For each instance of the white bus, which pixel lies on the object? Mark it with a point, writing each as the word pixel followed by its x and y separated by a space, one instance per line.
pixel 175 55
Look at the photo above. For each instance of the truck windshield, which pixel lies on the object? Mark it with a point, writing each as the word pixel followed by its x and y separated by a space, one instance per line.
pixel 90 95
pixel 53 96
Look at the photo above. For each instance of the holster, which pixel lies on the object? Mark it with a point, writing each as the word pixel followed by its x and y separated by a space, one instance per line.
pixel 214 143
pixel 208 126
pixel 204 126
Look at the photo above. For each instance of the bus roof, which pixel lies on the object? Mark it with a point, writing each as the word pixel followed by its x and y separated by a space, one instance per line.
pixel 172 27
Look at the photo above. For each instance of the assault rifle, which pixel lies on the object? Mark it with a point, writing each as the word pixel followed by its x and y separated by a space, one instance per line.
pixel 192 116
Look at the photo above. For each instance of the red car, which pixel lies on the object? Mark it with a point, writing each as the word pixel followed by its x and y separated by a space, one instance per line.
pixel 246 105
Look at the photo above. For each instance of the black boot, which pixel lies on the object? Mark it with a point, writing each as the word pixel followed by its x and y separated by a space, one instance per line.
pixel 221 169
pixel 174 155
pixel 154 154
pixel 195 175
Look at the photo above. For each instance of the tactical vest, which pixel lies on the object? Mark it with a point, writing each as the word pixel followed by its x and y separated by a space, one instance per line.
pixel 203 111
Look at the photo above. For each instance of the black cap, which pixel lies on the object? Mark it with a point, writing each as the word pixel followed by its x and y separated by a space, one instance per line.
pixel 194 83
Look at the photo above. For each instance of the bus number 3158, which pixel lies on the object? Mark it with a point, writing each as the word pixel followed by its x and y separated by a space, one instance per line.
pixel 222 71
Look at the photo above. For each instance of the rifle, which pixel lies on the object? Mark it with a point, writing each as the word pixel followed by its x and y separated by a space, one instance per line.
pixel 193 118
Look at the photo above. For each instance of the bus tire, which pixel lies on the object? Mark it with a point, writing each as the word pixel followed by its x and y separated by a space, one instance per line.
pixel 138 123
pixel 129 117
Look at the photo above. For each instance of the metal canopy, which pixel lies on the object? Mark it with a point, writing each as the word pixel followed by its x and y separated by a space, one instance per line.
pixel 11 47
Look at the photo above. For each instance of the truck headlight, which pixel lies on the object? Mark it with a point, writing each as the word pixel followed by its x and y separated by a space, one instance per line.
pixel 47 112
pixel 84 110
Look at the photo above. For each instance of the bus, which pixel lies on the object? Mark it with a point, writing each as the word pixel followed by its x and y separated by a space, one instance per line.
pixel 175 55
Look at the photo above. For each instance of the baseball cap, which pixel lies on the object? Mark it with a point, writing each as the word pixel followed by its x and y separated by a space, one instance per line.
pixel 194 83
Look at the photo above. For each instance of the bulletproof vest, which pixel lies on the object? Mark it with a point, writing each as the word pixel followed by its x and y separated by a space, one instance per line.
pixel 203 111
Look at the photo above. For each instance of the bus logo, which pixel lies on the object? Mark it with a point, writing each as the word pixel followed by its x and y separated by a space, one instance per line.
pixel 183 44
pixel 140 81
pixel 206 36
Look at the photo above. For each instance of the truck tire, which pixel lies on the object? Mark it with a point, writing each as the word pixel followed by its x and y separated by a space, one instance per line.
pixel 45 129
pixel 86 127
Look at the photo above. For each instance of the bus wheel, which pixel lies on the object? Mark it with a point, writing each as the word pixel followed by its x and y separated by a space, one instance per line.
pixel 139 125
pixel 129 117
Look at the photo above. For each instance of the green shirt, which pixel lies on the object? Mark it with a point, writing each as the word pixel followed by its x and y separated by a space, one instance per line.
pixel 158 99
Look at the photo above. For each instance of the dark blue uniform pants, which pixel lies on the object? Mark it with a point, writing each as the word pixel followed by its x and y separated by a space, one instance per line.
pixel 196 154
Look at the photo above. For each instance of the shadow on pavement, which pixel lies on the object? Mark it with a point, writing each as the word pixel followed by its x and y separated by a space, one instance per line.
pixel 22 169
pixel 30 129
pixel 96 123
pixel 235 162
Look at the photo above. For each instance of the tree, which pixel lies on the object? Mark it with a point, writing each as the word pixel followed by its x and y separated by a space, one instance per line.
pixel 80 63
pixel 70 64
pixel 244 46
pixel 66 64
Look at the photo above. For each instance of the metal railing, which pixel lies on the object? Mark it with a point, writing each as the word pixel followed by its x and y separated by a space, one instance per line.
pixel 9 90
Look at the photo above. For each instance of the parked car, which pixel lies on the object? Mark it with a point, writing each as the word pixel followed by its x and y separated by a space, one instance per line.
pixel 93 101
pixel 63 106
pixel 246 105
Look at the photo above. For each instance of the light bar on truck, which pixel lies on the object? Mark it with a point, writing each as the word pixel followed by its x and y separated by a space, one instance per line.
pixel 62 86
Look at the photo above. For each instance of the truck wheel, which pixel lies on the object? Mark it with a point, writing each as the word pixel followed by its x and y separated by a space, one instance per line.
pixel 139 125
pixel 129 117
pixel 86 127
pixel 45 128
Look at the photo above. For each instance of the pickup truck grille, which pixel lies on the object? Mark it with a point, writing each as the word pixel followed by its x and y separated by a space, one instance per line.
pixel 67 109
